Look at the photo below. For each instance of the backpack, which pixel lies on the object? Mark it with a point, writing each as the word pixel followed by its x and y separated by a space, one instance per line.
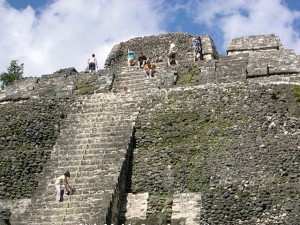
pixel 199 39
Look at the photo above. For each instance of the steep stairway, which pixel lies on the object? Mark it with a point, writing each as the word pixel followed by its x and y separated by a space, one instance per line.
pixel 93 146
pixel 134 79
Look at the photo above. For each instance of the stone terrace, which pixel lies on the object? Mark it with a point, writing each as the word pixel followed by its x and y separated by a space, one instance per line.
pixel 252 57
pixel 253 43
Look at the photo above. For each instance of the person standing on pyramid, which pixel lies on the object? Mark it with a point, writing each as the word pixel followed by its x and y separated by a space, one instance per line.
pixel 171 57
pixel 130 57
pixel 92 63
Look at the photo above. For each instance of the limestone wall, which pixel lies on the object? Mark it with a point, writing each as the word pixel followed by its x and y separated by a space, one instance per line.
pixel 62 84
pixel 253 43
pixel 28 131
pixel 235 145
pixel 242 65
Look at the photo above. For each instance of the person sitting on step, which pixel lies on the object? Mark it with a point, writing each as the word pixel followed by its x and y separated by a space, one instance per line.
pixel 141 60
pixel 149 69
pixel 62 182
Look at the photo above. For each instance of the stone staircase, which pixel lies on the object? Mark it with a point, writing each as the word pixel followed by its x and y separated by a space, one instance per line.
pixel 93 146
pixel 134 80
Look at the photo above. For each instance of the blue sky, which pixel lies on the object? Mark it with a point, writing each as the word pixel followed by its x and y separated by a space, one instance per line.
pixel 47 35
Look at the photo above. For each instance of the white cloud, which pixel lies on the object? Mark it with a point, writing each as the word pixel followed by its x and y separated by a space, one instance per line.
pixel 235 18
pixel 66 32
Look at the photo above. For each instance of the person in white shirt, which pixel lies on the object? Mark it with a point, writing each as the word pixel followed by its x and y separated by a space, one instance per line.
pixel 92 63
pixel 62 181
pixel 172 54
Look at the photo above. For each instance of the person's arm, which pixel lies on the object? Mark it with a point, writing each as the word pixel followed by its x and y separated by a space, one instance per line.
pixel 96 62
pixel 66 184
pixel 199 47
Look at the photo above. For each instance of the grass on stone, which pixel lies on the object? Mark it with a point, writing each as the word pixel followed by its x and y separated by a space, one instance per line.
pixel 84 88
pixel 296 90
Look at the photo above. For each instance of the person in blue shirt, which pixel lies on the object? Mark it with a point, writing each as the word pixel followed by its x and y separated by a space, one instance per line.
pixel 130 57
pixel 197 49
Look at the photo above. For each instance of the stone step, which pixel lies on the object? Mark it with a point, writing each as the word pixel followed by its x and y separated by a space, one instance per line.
pixel 84 193
pixel 141 89
pixel 84 162
pixel 92 196
pixel 93 140
pixel 142 81
pixel 159 65
pixel 109 113
pixel 153 83
pixel 86 149
pixel 78 156
pixel 55 211
pixel 120 102
pixel 118 99
pixel 82 189
pixel 107 98
pixel 123 120
pixel 87 167
pixel 140 74
pixel 98 107
pixel 51 177
pixel 87 133
pixel 99 127
pixel 100 122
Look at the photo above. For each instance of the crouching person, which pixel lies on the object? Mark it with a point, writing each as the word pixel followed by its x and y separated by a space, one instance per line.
pixel 62 182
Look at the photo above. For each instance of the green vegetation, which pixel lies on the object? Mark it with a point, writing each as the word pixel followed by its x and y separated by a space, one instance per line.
pixel 189 77
pixel 296 90
pixel 28 189
pixel 161 195
pixel 14 72
pixel 84 88
pixel 23 148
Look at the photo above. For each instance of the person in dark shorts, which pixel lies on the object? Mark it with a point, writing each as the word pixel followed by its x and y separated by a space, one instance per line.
pixel 92 63
pixel 141 60
pixel 172 54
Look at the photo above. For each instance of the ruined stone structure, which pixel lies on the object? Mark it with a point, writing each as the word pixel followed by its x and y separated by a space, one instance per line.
pixel 211 142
